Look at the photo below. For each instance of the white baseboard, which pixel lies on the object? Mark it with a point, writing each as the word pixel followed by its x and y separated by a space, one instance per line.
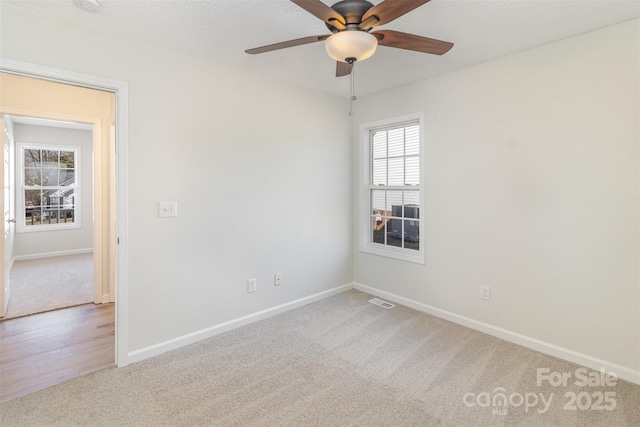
pixel 163 347
pixel 53 254
pixel 621 372
pixel 106 298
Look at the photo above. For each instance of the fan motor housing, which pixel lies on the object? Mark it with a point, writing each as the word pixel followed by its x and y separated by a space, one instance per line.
pixel 352 10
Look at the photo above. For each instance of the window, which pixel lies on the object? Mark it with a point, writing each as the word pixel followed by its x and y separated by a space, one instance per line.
pixel 49 194
pixel 391 199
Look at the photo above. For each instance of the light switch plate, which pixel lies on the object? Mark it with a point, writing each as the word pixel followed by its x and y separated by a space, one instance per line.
pixel 167 209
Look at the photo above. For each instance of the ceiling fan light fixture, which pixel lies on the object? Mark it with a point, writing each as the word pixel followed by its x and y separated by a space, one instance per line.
pixel 351 45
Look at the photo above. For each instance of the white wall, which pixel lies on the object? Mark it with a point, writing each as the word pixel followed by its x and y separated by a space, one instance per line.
pixel 532 169
pixel 32 244
pixel 256 167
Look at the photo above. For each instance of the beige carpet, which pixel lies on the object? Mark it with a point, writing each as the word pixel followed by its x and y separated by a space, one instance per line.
pixel 49 283
pixel 339 362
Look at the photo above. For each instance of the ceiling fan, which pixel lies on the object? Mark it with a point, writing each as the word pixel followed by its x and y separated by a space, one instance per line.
pixel 351 22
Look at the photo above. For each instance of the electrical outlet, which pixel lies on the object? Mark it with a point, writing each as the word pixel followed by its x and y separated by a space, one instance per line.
pixel 277 280
pixel 251 285
pixel 485 292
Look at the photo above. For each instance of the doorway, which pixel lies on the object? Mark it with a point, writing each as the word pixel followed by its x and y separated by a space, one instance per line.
pixel 109 184
pixel 35 98
pixel 51 251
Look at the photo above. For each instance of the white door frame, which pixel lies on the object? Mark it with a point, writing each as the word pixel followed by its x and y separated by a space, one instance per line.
pixel 8 227
pixel 97 143
pixel 121 91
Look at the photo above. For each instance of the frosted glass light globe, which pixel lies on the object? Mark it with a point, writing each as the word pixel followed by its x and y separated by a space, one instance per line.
pixel 351 44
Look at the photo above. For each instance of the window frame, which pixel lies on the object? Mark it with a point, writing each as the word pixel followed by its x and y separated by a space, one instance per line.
pixel 365 186
pixel 21 227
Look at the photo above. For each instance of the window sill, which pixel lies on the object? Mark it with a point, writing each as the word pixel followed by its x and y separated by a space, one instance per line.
pixel 56 227
pixel 407 255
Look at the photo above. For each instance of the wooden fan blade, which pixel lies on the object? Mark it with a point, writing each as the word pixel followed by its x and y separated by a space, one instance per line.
pixel 290 43
pixel 387 11
pixel 401 40
pixel 320 10
pixel 343 69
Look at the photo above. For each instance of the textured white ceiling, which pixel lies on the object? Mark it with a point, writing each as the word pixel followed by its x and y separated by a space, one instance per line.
pixel 222 29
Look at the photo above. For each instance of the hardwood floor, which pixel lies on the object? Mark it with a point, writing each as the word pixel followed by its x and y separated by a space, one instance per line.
pixel 45 349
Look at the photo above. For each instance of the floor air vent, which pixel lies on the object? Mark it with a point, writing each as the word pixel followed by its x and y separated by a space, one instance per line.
pixel 381 303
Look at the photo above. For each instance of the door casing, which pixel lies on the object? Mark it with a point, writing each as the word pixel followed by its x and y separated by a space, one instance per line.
pixel 8 228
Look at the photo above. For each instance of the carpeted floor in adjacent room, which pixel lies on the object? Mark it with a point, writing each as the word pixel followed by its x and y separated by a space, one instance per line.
pixel 338 362
pixel 45 284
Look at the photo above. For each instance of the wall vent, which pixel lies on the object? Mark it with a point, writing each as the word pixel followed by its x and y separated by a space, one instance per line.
pixel 381 303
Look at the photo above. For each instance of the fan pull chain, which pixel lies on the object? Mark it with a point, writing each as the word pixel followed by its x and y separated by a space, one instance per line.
pixel 352 93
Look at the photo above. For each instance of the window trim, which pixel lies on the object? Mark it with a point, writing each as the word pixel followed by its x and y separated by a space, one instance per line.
pixel 20 204
pixel 364 190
